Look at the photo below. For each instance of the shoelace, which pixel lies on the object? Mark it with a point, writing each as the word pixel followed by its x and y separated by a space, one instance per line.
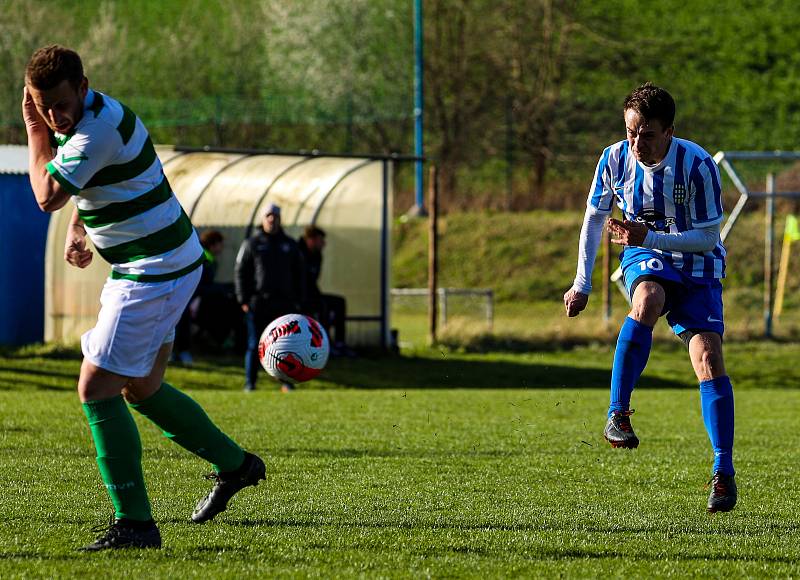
pixel 622 420
pixel 106 530
pixel 218 478
pixel 720 487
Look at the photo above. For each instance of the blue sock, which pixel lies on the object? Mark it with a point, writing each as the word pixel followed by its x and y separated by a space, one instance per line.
pixel 716 399
pixel 630 358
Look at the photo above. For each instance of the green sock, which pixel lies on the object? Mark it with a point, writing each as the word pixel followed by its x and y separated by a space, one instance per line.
pixel 119 456
pixel 186 423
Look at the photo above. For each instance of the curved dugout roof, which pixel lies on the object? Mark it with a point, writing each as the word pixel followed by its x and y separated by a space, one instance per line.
pixel 350 198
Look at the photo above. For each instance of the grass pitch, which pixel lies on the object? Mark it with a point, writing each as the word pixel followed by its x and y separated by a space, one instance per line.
pixel 441 464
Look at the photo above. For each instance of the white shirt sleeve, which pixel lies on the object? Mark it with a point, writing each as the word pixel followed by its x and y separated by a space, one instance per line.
pixel 92 148
pixel 696 240
pixel 591 234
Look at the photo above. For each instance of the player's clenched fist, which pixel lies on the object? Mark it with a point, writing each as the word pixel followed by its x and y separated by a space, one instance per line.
pixel 75 251
pixel 575 302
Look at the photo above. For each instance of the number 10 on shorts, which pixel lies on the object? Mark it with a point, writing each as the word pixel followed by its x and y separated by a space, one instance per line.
pixel 651 264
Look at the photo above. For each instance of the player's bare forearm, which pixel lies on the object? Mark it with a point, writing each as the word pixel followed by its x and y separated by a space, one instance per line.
pixel 75 251
pixel 75 220
pixel 48 192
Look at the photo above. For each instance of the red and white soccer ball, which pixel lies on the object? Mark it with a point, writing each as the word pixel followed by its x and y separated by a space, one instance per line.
pixel 294 348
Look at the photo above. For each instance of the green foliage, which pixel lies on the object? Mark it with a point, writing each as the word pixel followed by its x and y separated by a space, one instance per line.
pixel 250 73
pixel 526 88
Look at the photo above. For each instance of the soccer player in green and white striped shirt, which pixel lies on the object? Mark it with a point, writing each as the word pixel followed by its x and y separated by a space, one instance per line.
pixel 105 163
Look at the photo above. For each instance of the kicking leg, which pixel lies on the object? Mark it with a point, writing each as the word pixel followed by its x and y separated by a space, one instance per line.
pixel 186 423
pixel 630 358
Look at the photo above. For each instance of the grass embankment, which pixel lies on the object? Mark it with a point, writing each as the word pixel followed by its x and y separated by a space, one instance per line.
pixel 529 259
pixel 422 471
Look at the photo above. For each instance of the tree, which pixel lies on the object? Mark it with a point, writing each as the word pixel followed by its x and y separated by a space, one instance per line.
pixel 535 50
pixel 460 81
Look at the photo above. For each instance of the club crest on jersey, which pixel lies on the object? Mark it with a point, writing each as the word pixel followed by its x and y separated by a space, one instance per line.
pixel 679 193
pixel 655 220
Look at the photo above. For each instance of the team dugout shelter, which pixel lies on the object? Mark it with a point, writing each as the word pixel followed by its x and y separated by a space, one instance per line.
pixel 350 197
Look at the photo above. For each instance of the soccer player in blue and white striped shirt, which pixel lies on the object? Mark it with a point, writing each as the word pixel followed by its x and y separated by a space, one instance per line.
pixel 101 159
pixel 672 260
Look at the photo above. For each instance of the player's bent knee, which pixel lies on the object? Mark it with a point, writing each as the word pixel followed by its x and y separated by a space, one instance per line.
pixel 95 383
pixel 647 308
pixel 138 390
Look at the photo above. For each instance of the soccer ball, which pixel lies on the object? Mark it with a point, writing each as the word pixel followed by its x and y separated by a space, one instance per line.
pixel 294 348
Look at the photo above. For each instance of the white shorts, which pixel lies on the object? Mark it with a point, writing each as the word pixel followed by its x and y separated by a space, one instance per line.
pixel 135 319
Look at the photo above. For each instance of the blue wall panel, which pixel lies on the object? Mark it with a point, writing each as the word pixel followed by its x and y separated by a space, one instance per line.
pixel 23 237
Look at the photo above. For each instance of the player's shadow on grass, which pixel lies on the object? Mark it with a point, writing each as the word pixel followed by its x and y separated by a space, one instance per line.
pixel 14 378
pixel 458 373
pixel 383 372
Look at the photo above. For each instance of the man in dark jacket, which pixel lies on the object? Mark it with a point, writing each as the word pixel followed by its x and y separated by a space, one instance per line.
pixel 270 282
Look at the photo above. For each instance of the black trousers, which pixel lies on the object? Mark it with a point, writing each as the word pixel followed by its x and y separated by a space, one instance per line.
pixel 331 311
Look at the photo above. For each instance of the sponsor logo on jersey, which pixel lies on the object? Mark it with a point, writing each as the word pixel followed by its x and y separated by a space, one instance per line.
pixel 655 220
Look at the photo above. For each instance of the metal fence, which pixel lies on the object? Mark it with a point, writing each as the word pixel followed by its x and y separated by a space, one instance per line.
pixel 445 297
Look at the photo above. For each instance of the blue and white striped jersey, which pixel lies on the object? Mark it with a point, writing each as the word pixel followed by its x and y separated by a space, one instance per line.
pixel 679 194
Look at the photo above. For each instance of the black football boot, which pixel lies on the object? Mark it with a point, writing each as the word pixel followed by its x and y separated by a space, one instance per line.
pixel 226 485
pixel 619 431
pixel 723 494
pixel 122 533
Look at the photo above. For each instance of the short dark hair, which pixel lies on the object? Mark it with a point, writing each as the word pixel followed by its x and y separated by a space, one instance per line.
pixel 50 65
pixel 210 237
pixel 313 232
pixel 652 102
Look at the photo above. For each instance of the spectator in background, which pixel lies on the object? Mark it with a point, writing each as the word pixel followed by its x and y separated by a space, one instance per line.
pixel 212 242
pixel 270 282
pixel 329 309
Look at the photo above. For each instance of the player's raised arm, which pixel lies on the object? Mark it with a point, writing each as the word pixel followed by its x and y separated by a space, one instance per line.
pixel 50 195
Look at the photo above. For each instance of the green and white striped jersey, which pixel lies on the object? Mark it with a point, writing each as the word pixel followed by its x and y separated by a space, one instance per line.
pixel 109 165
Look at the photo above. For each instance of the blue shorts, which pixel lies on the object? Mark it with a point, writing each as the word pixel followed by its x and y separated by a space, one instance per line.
pixel 692 304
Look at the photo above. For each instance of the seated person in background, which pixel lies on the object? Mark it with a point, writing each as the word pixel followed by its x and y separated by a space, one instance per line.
pixel 329 309
pixel 212 242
